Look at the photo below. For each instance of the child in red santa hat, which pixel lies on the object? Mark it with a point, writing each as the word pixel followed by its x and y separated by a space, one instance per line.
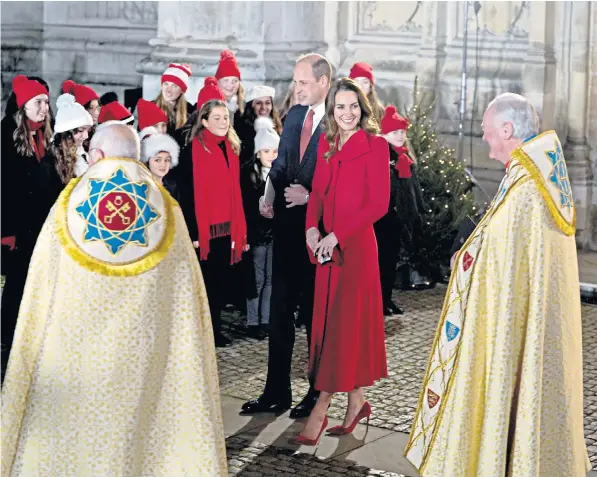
pixel 115 111
pixel 85 96
pixel 398 226
pixel 150 115
pixel 228 76
pixel 362 73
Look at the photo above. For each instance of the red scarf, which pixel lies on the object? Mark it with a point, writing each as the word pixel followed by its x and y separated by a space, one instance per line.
pixel 403 163
pixel 217 195
pixel 38 138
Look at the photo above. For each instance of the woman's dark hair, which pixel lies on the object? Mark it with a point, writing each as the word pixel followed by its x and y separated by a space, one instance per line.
pixel 249 116
pixel 64 150
pixel 368 121
pixel 255 175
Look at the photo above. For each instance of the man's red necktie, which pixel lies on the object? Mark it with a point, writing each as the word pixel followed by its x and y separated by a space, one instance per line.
pixel 306 132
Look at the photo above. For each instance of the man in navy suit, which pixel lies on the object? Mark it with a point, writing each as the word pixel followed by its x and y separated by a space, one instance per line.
pixel 293 279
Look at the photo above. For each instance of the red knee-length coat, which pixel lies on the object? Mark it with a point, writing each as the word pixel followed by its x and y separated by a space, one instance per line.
pixel 351 191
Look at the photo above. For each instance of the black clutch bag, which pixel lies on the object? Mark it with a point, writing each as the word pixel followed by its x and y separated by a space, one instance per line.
pixel 336 257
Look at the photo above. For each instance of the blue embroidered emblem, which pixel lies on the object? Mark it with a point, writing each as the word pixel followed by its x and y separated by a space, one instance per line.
pixel 451 331
pixel 559 176
pixel 117 212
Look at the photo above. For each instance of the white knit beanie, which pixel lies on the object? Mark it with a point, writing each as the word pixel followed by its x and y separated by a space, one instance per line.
pixel 266 137
pixel 152 145
pixel 70 115
pixel 260 91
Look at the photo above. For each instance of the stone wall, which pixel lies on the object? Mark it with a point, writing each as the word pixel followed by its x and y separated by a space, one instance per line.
pixel 544 50
pixel 96 43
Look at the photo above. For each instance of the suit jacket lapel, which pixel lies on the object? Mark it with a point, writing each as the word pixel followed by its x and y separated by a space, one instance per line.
pixel 312 146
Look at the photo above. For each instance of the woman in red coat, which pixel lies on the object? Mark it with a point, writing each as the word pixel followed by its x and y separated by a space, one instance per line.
pixel 351 191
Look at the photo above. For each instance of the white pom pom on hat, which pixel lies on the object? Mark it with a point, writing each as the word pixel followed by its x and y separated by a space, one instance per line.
pixel 70 115
pixel 266 137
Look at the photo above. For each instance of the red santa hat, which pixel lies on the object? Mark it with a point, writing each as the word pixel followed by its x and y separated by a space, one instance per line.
pixel 115 111
pixel 228 66
pixel 362 70
pixel 26 89
pixel 392 121
pixel 178 73
pixel 210 91
pixel 83 94
pixel 149 114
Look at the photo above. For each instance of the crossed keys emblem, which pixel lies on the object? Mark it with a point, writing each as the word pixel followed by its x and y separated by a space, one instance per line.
pixel 117 208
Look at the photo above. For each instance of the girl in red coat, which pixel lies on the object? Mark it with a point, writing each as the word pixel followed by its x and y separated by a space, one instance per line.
pixel 351 190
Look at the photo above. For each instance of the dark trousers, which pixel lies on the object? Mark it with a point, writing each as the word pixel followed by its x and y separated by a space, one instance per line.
pixel 388 250
pixel 293 284
pixel 16 276
pixel 216 272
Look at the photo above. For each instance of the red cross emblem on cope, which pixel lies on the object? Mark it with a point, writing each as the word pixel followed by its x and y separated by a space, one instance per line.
pixel 467 261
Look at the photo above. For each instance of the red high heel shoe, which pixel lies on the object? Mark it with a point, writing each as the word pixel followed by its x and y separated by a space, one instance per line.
pixel 365 412
pixel 302 440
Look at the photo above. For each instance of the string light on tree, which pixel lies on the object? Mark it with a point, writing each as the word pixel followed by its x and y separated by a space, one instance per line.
pixel 446 192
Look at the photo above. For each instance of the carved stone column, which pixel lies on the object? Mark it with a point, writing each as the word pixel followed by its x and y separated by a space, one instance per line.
pixel 577 150
pixel 266 37
pixel 388 36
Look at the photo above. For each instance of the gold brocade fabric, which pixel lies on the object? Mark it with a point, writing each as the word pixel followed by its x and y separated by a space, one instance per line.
pixel 113 376
pixel 511 400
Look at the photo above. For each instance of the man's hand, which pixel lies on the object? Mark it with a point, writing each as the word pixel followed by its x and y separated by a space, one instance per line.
pixel 246 248
pixel 326 246
pixel 296 194
pixel 196 244
pixel 313 238
pixel 266 210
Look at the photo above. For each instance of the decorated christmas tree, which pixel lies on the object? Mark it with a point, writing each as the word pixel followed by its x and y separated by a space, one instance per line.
pixel 446 189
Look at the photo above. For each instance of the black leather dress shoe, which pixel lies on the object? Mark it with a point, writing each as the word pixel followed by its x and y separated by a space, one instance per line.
pixel 222 341
pixel 397 309
pixel 262 404
pixel 304 408
pixel 387 311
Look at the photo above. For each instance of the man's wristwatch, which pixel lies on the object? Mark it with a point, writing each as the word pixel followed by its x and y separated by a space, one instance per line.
pixel 307 198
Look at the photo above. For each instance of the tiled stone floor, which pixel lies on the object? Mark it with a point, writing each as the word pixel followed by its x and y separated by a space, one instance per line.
pixel 243 366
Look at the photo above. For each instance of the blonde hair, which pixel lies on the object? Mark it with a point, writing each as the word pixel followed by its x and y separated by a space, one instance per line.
pixel 178 114
pixel 64 149
pixel 22 133
pixel 241 98
pixel 377 106
pixel 368 122
pixel 204 113
pixel 288 101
